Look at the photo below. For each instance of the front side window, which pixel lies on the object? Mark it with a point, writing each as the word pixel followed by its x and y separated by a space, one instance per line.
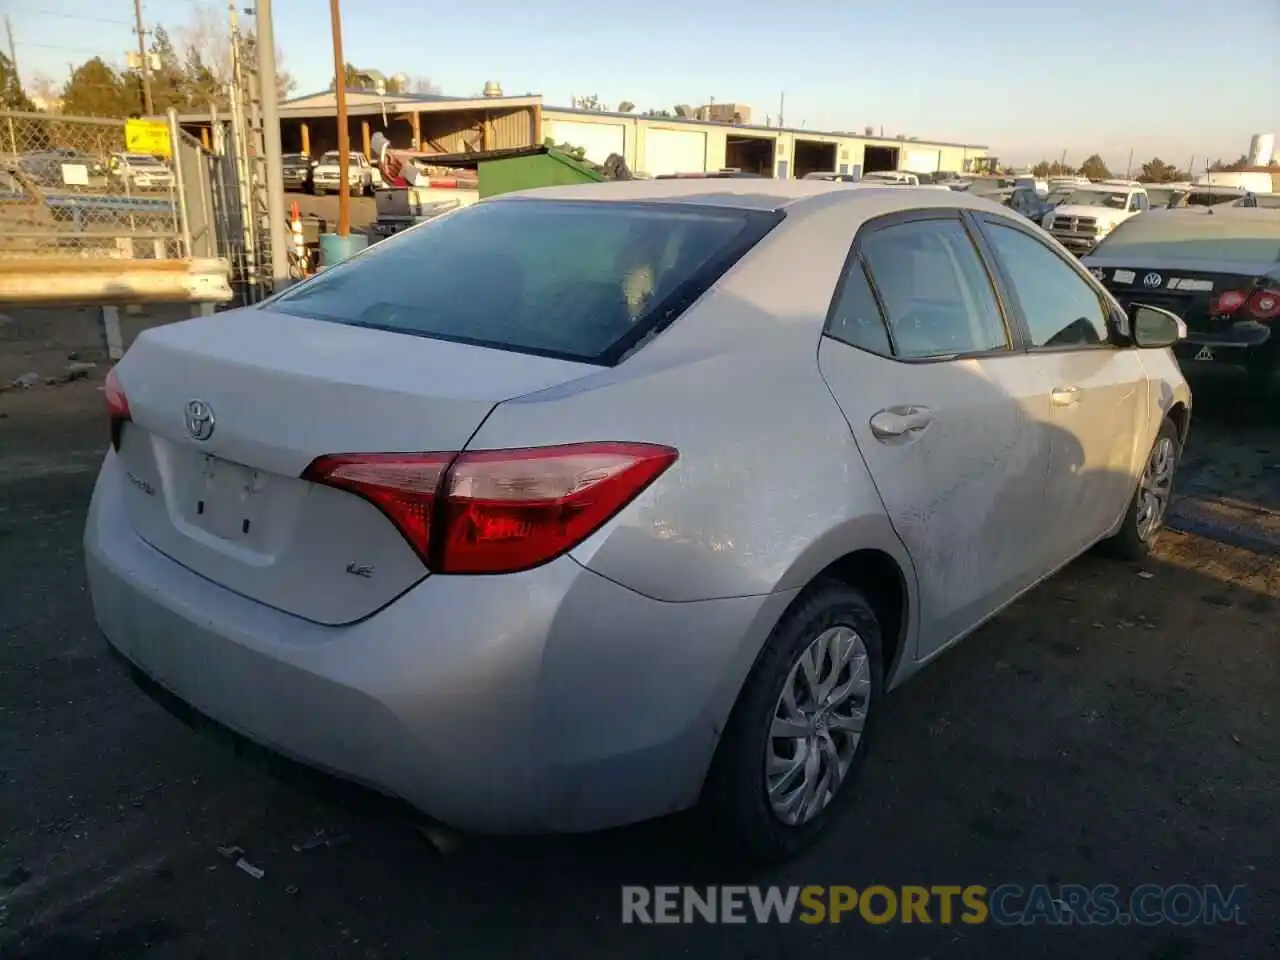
pixel 936 294
pixel 566 279
pixel 1060 307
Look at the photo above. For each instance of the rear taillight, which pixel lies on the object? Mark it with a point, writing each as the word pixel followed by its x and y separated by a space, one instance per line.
pixel 1264 305
pixel 497 511
pixel 1261 305
pixel 117 406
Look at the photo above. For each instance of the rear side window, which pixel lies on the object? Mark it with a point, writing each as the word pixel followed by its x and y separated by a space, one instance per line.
pixel 580 280
pixel 855 316
pixel 935 291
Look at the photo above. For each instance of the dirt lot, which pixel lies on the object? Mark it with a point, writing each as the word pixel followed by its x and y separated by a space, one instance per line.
pixel 1110 727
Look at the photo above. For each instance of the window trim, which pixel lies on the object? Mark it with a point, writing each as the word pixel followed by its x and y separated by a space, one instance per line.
pixel 1115 338
pixel 856 257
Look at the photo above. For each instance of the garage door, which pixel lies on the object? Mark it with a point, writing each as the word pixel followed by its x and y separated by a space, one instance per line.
pixel 921 161
pixel 598 139
pixel 674 151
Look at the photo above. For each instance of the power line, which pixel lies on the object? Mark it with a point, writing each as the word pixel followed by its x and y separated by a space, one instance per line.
pixel 59 46
pixel 77 16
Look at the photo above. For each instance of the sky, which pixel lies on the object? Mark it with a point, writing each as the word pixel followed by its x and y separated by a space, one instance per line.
pixel 1169 78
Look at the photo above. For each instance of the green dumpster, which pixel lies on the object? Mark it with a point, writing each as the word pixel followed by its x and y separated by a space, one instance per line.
pixel 538 167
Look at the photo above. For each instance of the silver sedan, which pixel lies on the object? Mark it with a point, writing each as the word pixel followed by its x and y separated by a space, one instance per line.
pixel 589 504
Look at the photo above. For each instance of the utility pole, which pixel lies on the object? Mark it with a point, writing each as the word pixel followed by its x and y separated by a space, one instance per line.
pixel 344 135
pixel 244 173
pixel 13 52
pixel 268 91
pixel 147 107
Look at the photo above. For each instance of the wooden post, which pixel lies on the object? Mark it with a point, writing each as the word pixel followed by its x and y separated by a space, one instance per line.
pixel 416 120
pixel 486 133
pixel 537 124
pixel 306 139
pixel 204 138
pixel 109 326
pixel 364 136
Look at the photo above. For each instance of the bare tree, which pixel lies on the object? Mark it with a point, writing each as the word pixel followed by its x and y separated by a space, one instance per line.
pixel 206 38
pixel 46 91
pixel 423 85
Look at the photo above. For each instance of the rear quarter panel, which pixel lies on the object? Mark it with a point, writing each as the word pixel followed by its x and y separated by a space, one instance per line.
pixel 770 486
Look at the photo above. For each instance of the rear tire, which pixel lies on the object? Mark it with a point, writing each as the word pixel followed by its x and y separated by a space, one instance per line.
pixel 769 793
pixel 1139 530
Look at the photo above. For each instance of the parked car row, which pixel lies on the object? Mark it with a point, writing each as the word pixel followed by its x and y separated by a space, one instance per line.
pixel 64 169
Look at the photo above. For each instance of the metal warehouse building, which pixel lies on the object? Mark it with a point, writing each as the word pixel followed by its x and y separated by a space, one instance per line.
pixel 650 145
pixel 659 145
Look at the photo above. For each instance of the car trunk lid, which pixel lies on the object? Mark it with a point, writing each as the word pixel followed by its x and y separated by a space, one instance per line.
pixel 1191 294
pixel 227 412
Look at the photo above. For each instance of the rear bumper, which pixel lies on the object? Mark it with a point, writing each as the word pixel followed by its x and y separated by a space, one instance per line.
pixel 1244 348
pixel 552 700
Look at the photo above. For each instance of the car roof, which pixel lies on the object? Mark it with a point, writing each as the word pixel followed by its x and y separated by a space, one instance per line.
pixel 762 194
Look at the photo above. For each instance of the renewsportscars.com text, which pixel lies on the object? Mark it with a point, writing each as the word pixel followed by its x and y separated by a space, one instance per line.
pixel 1008 905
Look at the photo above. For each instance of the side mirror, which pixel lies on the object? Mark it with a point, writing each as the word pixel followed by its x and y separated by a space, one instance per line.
pixel 1154 327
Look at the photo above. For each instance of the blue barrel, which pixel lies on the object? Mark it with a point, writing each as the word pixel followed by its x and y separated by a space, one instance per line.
pixel 335 249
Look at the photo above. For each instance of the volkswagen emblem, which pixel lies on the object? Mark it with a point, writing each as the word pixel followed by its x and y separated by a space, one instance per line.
pixel 200 421
pixel 1152 280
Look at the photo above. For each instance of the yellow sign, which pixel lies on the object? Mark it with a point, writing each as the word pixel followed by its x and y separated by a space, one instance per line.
pixel 148 136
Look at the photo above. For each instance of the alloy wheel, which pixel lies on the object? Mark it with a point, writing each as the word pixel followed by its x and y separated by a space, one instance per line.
pixel 1156 488
pixel 817 724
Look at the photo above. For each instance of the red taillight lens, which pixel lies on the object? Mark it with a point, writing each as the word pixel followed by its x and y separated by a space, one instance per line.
pixel 498 511
pixel 1264 305
pixel 402 485
pixel 117 406
pixel 1230 302
pixel 508 510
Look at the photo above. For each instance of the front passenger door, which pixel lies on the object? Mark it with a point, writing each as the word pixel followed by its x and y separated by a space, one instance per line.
pixel 1097 389
pixel 950 420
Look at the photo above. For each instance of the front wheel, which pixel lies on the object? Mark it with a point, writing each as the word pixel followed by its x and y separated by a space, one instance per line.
pixel 801 726
pixel 1149 507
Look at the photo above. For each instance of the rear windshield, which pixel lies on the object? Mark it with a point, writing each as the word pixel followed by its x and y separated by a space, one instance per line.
pixel 1228 239
pixel 579 280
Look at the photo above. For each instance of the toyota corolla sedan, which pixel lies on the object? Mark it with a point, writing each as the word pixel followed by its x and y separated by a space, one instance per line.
pixel 589 504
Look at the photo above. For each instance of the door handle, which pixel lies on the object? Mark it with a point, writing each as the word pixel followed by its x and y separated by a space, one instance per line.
pixel 1065 396
pixel 900 423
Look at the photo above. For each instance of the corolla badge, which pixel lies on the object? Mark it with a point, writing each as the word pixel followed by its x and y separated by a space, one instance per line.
pixel 1152 280
pixel 200 420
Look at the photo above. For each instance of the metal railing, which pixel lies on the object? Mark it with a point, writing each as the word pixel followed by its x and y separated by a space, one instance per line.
pixel 70 187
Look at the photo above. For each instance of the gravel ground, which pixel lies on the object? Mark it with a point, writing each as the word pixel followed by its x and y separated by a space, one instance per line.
pixel 1111 727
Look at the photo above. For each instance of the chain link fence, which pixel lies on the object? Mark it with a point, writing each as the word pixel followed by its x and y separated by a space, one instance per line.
pixel 70 187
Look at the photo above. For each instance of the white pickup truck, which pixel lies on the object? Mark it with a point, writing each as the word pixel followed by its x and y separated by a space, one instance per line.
pixel 1090 213
pixel 362 176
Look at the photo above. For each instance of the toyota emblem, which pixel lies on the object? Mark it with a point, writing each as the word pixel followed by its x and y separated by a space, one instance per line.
pixel 1152 280
pixel 200 420
pixel 1098 274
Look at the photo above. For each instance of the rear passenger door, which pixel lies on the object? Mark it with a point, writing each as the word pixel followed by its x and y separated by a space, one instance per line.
pixel 1097 388
pixel 949 418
